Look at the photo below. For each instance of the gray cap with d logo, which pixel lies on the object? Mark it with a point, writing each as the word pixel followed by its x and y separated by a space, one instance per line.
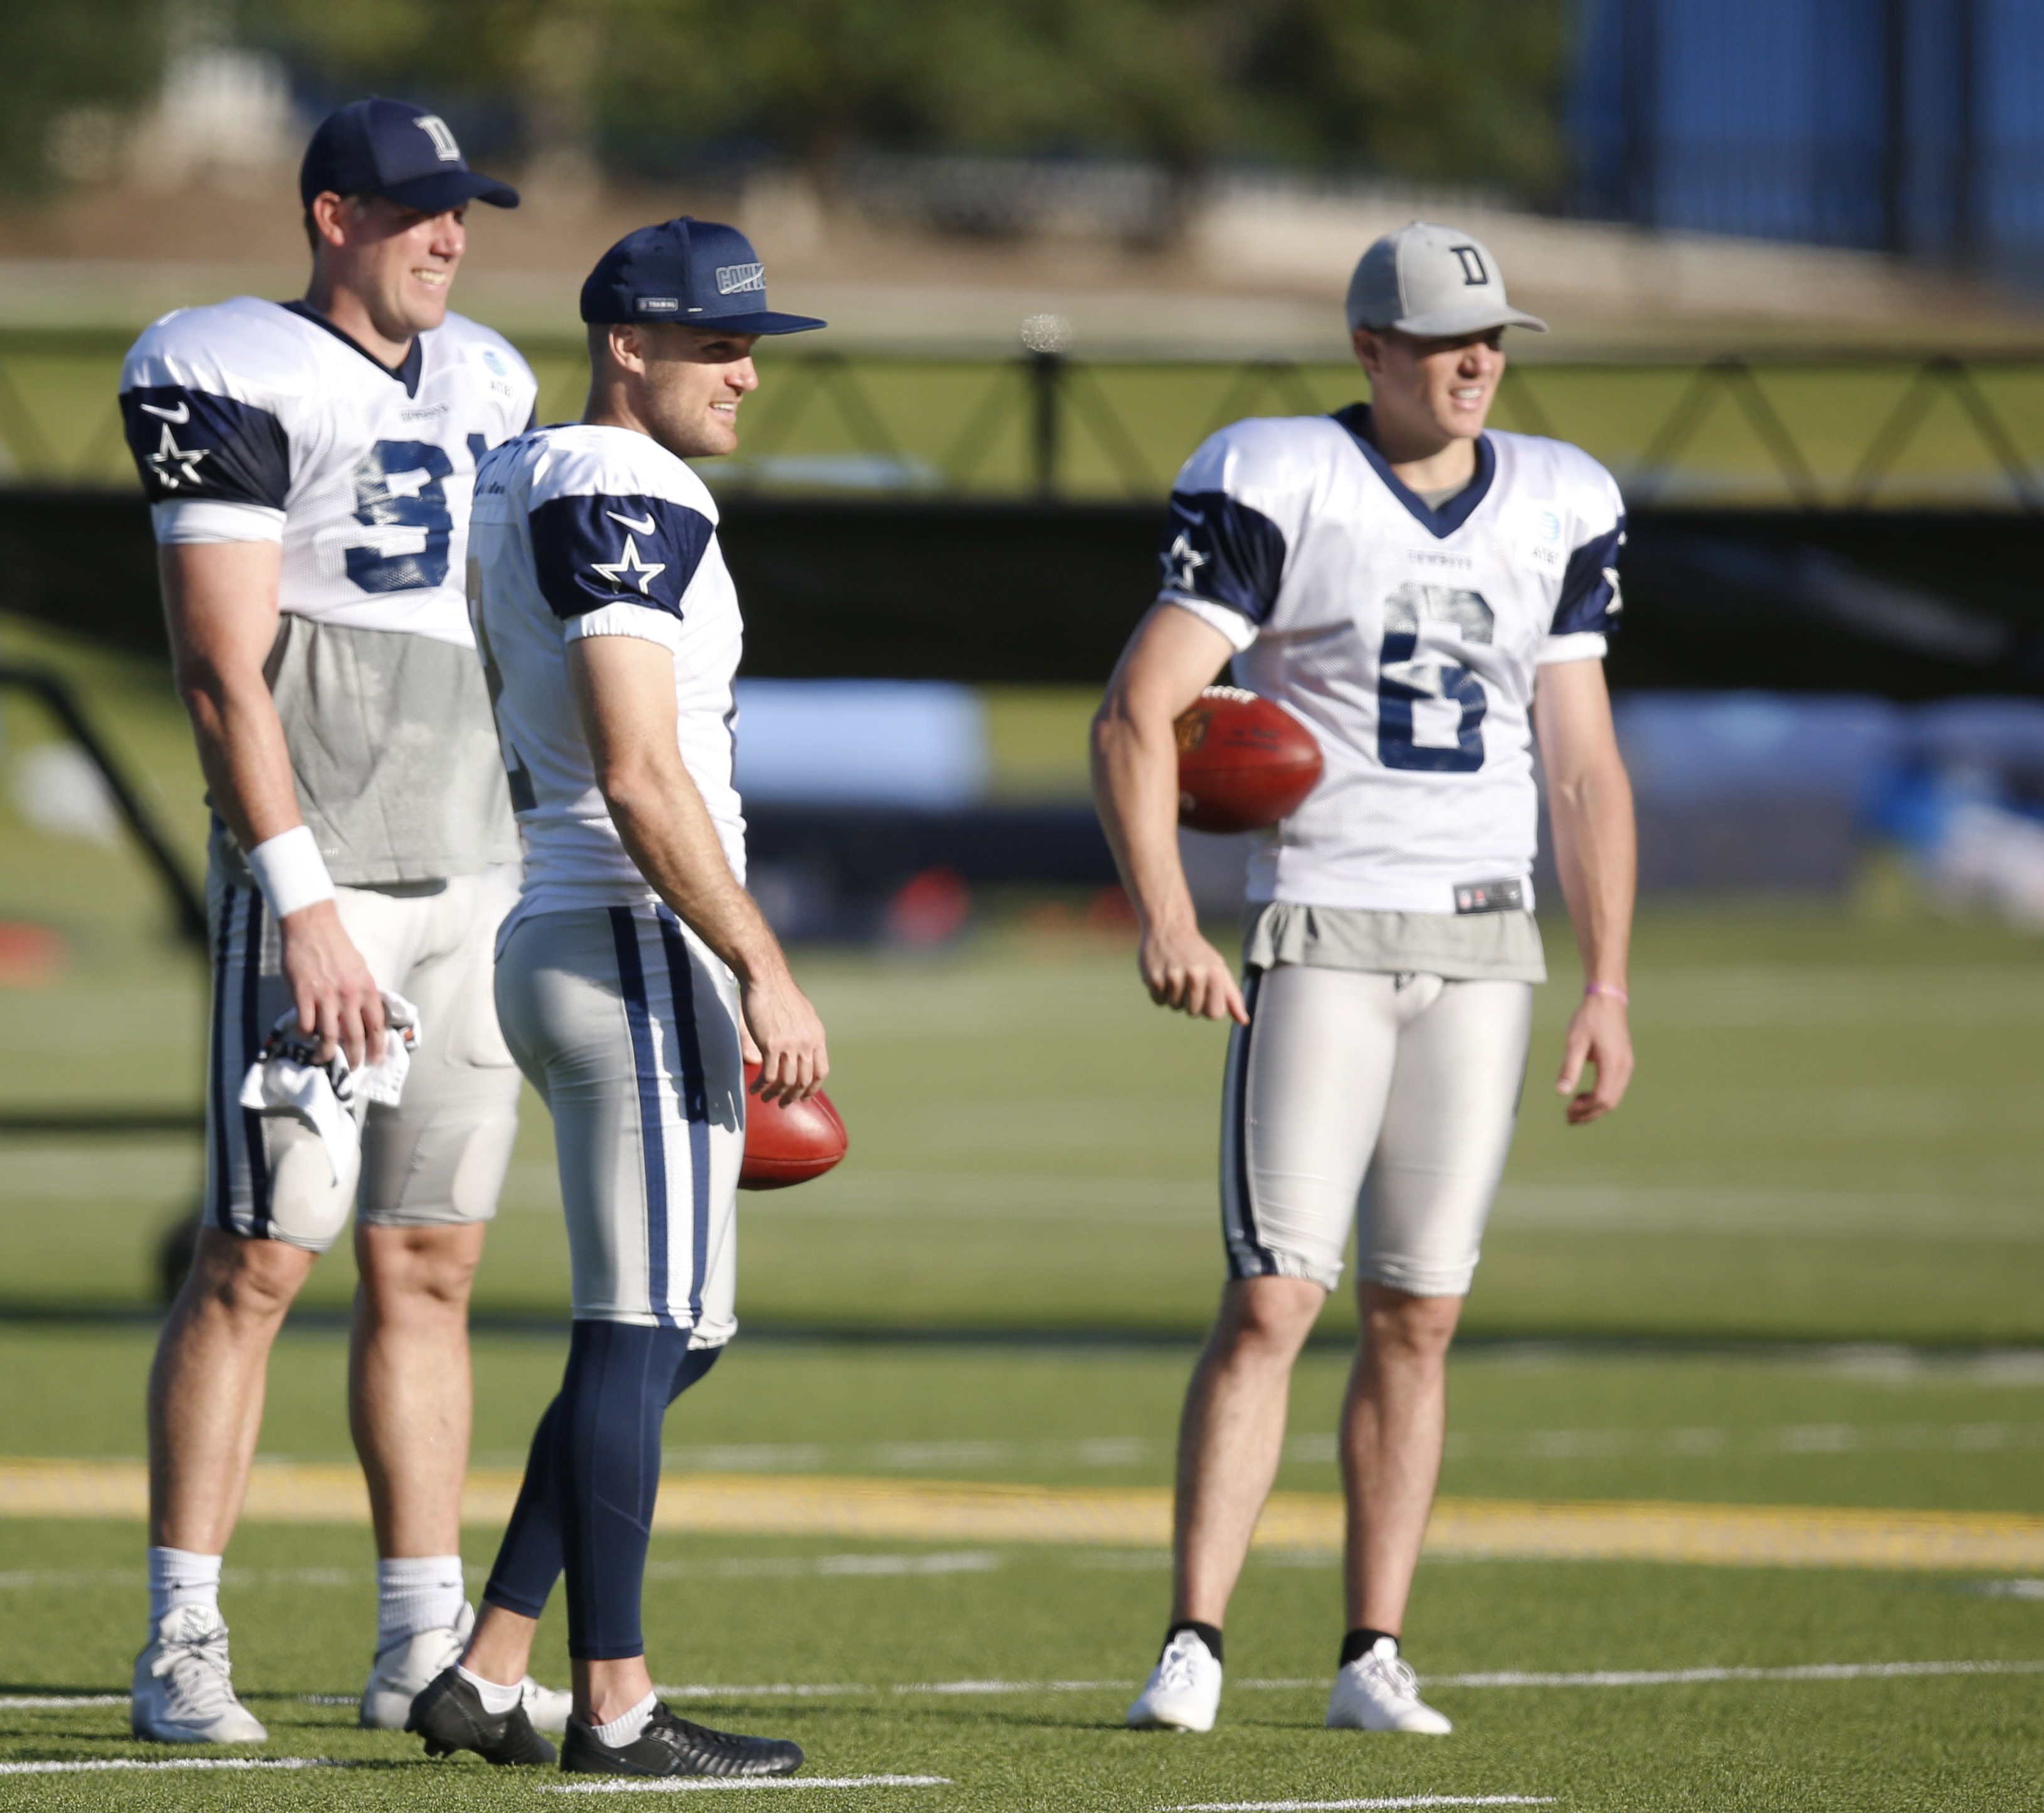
pixel 1433 280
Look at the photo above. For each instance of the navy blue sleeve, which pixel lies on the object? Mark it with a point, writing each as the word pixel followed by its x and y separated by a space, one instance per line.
pixel 1219 550
pixel 589 552
pixel 1590 598
pixel 192 443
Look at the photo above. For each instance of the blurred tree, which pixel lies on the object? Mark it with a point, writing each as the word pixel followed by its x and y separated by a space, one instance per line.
pixel 1467 91
pixel 1444 89
pixel 66 73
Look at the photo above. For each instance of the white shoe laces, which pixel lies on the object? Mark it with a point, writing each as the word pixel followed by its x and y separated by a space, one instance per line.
pixel 1178 1667
pixel 1395 1672
pixel 194 1661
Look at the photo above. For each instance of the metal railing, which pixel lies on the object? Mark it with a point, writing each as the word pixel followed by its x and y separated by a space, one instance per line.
pixel 1791 431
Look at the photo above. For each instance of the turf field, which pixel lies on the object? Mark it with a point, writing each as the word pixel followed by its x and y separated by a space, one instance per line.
pixel 1801 1269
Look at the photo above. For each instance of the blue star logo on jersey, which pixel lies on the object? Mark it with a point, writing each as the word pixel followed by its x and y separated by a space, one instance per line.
pixel 628 569
pixel 174 465
pixel 1181 561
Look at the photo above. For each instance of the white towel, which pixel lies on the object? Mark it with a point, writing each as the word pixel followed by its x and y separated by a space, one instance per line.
pixel 286 1080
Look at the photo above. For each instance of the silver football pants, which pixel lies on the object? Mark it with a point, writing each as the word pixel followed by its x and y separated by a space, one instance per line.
pixel 627 1027
pixel 1386 1101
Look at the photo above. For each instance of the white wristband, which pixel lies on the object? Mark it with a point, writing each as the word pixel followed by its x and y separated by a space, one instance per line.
pixel 290 871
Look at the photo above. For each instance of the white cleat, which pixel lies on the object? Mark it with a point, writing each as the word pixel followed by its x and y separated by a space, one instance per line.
pixel 403 1670
pixel 1183 1692
pixel 1378 1692
pixel 183 1693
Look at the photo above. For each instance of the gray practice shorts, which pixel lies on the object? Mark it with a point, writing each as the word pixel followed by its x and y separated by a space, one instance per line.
pixel 437 1158
pixel 1390 1098
pixel 627 1027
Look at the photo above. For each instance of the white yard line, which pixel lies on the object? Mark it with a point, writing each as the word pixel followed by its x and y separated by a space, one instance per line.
pixel 1007 1686
pixel 26 1702
pixel 1596 1677
pixel 1400 1800
pixel 770 1690
pixel 99 1765
pixel 699 1784
pixel 1679 1677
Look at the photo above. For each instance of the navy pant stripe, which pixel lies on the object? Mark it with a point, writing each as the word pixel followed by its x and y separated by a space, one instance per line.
pixel 1238 1124
pixel 252 1032
pixel 695 1098
pixel 631 977
pixel 223 1160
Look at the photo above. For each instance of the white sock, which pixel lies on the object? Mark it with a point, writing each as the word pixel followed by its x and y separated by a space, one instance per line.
pixel 177 1577
pixel 423 1593
pixel 626 1725
pixel 497 1700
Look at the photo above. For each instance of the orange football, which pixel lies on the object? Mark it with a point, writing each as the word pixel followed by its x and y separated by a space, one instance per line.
pixel 1244 762
pixel 788 1142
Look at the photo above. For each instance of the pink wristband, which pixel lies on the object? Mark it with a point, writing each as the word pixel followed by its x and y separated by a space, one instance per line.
pixel 1618 994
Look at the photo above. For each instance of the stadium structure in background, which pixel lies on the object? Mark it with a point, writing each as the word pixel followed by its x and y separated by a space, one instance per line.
pixel 1910 126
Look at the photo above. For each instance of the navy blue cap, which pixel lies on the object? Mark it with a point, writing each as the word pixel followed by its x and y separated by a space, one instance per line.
pixel 391 147
pixel 696 272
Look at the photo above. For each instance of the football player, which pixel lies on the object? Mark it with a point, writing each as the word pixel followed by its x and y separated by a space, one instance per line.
pixel 635 975
pixel 308 467
pixel 1428 597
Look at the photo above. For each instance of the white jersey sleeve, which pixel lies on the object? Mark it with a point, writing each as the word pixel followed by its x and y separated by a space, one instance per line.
pixel 1236 512
pixel 581 531
pixel 1407 638
pixel 261 421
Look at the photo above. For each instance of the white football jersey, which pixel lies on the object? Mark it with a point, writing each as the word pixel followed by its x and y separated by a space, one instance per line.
pixel 261 421
pixel 1406 638
pixel 583 531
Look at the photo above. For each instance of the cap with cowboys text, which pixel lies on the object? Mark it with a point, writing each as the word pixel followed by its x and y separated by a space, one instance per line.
pixel 380 147
pixel 693 271
pixel 1432 280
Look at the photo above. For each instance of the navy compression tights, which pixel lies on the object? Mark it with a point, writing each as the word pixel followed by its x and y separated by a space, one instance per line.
pixel 586 1505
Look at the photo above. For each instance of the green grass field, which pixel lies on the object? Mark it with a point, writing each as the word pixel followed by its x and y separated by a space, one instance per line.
pixel 1805 1265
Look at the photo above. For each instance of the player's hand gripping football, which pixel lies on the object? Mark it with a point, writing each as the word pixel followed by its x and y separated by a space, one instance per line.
pixel 780 1032
pixel 1599 1034
pixel 336 997
pixel 1181 970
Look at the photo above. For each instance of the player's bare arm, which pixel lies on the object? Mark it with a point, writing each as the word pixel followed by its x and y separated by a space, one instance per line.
pixel 1589 803
pixel 219 600
pixel 625 698
pixel 1171 657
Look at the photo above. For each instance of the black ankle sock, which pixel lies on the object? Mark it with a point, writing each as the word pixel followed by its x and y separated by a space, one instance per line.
pixel 1208 1633
pixel 1359 1643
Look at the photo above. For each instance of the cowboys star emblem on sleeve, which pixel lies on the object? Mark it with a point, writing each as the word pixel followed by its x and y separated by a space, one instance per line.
pixel 628 569
pixel 174 465
pixel 1181 563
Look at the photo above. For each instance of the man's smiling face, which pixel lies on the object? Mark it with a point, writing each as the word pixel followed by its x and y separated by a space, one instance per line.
pixel 694 379
pixel 1444 387
pixel 400 262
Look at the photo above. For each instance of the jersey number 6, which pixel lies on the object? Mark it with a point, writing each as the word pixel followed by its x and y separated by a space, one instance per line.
pixel 1406 685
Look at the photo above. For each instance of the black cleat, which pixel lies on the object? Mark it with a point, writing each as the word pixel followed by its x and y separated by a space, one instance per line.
pixel 673 1746
pixel 448 1714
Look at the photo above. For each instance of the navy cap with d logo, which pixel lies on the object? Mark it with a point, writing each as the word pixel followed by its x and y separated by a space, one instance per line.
pixel 693 271
pixel 379 147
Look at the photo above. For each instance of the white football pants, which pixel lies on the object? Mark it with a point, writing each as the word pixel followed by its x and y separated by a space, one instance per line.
pixel 627 1027
pixel 440 1156
pixel 1390 1098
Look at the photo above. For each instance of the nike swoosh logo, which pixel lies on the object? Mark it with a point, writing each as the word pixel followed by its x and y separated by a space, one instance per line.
pixel 1192 516
pixel 642 527
pixel 181 413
